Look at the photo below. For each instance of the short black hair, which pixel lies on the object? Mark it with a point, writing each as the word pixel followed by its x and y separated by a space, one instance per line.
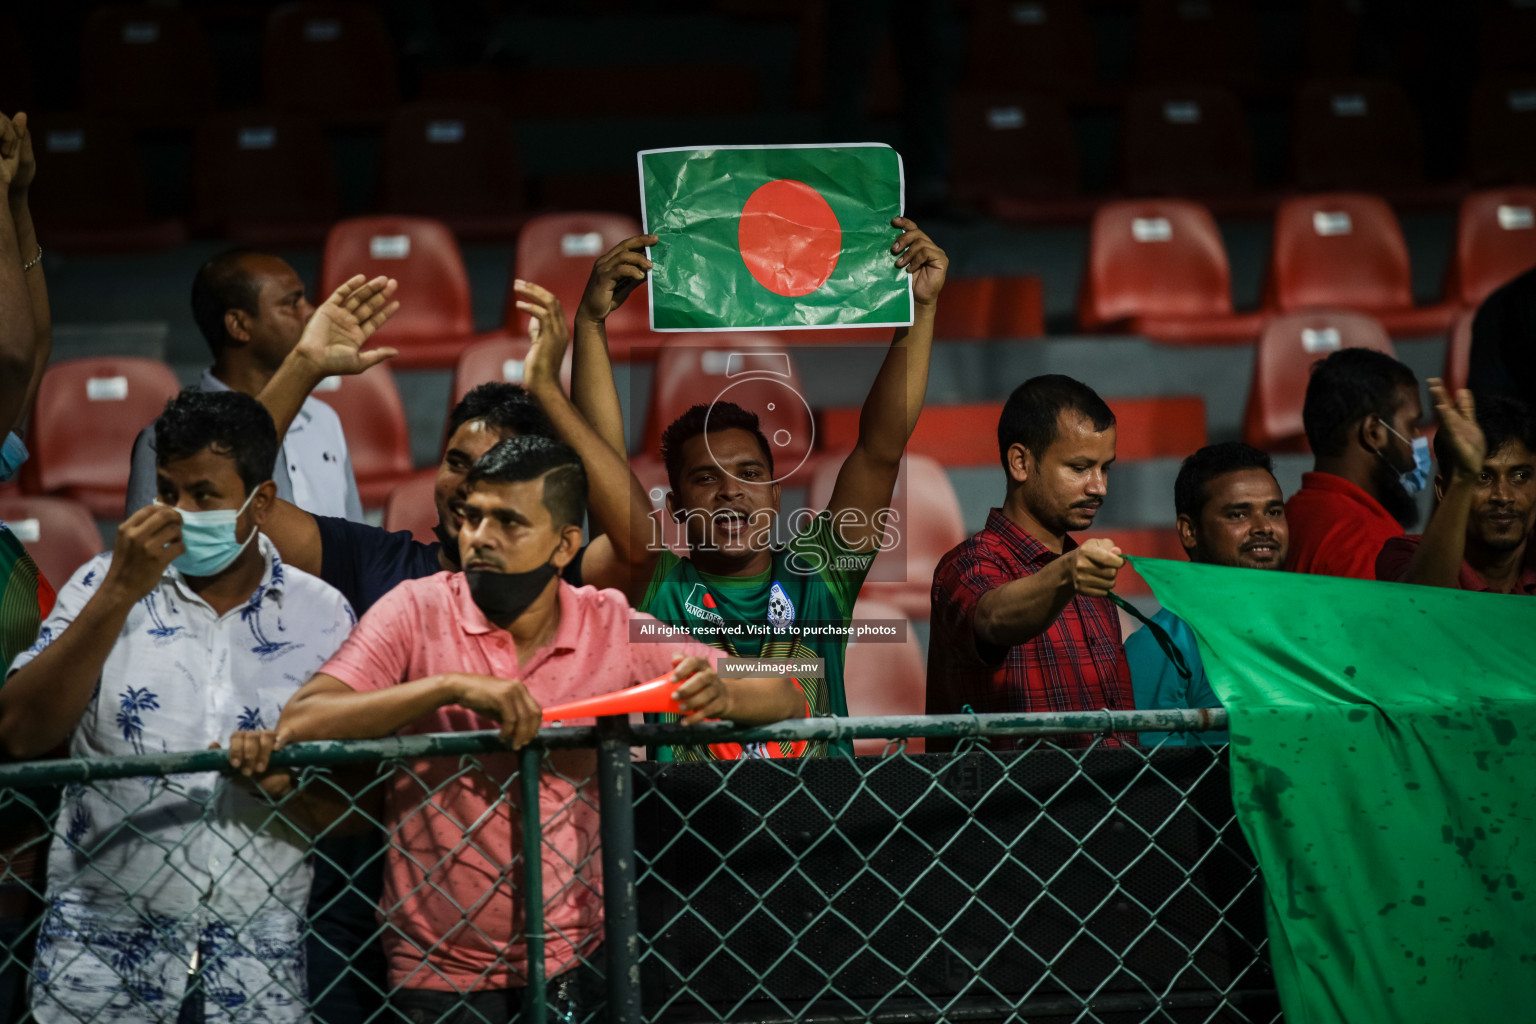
pixel 1503 419
pixel 1344 389
pixel 720 416
pixel 222 284
pixel 506 407
pixel 531 456
pixel 1214 460
pixel 1031 414
pixel 231 423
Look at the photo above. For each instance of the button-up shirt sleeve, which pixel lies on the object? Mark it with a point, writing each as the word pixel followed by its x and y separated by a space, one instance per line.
pixel 377 654
pixel 959 583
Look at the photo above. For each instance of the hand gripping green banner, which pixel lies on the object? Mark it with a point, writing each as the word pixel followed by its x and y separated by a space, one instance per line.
pixel 774 237
pixel 1384 771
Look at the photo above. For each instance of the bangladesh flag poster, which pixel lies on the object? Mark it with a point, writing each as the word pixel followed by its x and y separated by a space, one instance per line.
pixel 774 237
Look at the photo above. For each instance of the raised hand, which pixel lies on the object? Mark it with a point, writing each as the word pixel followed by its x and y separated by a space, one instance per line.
pixel 146 543
pixel 12 141
pixel 26 165
pixel 547 334
pixel 616 274
pixel 925 261
pixel 333 339
pixel 1093 566
pixel 1458 421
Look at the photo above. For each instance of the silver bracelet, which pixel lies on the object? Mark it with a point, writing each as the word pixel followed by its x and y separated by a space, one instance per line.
pixel 34 261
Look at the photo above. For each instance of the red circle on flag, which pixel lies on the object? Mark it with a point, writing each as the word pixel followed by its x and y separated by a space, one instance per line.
pixel 789 237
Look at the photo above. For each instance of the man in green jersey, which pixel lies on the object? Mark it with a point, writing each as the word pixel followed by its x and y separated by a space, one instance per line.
pixel 735 591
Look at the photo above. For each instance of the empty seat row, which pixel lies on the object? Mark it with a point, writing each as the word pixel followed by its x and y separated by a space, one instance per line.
pixel 1014 155
pixel 1159 267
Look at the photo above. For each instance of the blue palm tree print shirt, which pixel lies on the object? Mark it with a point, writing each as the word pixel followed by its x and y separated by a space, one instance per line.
pixel 149 875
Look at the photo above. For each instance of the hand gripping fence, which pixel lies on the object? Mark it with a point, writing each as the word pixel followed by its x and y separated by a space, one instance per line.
pixel 1067 880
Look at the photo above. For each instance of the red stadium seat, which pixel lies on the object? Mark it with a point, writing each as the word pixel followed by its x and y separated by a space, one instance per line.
pixel 1346 251
pixel 966 435
pixel 1158 267
pixel 557 251
pixel 264 177
pixel 149 64
pixel 412 506
pixel 884 676
pixel 95 198
pixel 60 534
pixel 1458 352
pixel 978 308
pixel 1148 542
pixel 1014 155
pixel 378 440
pixel 435 321
pixel 455 162
pixel 1204 42
pixel 751 370
pixel 929 523
pixel 1495 241
pixel 1283 365
pixel 1043 44
pixel 1187 141
pixel 1018 307
pixel 1355 133
pixel 497 359
pixel 87 414
pixel 1501 131
pixel 332 59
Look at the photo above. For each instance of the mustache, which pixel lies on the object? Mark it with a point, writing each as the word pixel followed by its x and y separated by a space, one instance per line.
pixel 1090 503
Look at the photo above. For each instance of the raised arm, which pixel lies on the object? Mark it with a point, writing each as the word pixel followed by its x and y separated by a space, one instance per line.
pixel 620 554
pixel 615 275
pixel 868 477
pixel 1022 609
pixel 18 336
pixel 331 345
pixel 1437 561
pixel 41 703
pixel 31 253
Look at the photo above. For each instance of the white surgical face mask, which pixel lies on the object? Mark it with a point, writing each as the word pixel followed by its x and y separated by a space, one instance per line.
pixel 1417 478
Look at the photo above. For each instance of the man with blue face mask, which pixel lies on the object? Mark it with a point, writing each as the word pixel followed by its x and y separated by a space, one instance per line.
pixel 1361 415
pixel 190 633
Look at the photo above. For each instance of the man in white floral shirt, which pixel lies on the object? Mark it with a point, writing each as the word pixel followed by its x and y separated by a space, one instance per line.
pixel 177 897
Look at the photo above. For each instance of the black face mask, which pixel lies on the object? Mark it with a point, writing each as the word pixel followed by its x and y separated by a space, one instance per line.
pixel 503 596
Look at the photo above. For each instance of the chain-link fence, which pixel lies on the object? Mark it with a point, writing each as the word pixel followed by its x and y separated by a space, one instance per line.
pixel 459 881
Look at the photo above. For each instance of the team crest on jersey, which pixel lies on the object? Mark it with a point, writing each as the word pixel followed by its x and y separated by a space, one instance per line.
pixel 781 611
pixel 700 603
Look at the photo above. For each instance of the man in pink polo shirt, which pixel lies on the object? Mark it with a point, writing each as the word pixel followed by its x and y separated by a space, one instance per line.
pixel 467 651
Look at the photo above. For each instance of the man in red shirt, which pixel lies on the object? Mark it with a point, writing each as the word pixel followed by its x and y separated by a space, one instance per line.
pixel 1479 537
pixel 1361 416
pixel 1021 616
pixel 486 648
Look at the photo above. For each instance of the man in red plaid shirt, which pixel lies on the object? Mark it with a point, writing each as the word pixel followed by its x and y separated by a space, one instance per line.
pixel 1021 616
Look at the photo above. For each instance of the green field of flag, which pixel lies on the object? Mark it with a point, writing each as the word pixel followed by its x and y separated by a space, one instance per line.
pixel 1383 751
pixel 774 237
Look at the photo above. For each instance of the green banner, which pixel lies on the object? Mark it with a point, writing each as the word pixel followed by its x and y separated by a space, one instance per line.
pixel 774 237
pixel 1384 771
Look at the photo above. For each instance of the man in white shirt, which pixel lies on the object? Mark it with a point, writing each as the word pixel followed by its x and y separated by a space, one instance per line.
pixel 251 309
pixel 169 894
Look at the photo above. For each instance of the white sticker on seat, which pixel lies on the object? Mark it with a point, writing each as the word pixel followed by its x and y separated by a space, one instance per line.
pixel 1320 339
pixel 1151 229
pixel 445 131
pixel 1028 14
pixel 589 243
pixel 389 247
pixel 1182 112
pixel 1004 119
pixel 1331 223
pixel 137 33
pixel 715 363
pixel 28 531
pixel 1522 101
pixel 322 30
pixel 329 384
pixel 512 371
pixel 262 136
pixel 106 389
pixel 1349 104
pixel 1516 218
pixel 69 140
